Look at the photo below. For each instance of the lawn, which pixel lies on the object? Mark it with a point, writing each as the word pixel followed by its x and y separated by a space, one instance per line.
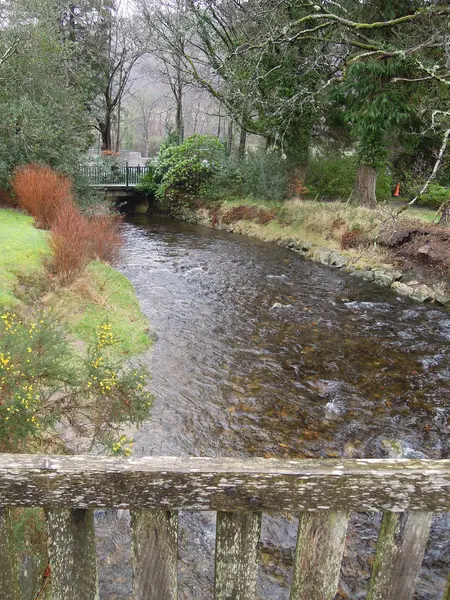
pixel 101 294
pixel 22 250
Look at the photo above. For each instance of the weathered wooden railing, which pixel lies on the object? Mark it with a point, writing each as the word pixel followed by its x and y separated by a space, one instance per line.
pixel 321 492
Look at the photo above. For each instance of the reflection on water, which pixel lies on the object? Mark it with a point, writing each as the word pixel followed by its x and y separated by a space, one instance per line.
pixel 263 353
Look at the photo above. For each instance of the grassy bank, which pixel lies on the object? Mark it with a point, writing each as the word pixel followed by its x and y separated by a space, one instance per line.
pixel 360 238
pixel 318 223
pixel 101 294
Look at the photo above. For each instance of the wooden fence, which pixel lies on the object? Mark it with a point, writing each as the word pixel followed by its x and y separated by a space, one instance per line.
pixel 321 492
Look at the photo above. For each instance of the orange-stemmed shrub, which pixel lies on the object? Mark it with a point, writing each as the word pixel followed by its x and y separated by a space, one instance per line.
pixel 105 237
pixel 41 192
pixel 70 242
pixel 76 240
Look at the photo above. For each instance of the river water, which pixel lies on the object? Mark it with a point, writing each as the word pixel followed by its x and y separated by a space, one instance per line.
pixel 263 353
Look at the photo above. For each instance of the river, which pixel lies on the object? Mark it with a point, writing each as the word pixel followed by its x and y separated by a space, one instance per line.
pixel 263 353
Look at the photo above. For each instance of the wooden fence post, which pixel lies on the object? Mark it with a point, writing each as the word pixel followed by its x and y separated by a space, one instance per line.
pixel 400 549
pixel 155 554
pixel 320 546
pixel 71 549
pixel 9 579
pixel 237 537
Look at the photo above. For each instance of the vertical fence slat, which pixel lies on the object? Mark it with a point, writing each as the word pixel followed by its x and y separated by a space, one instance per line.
pixel 71 548
pixel 9 575
pixel 237 537
pixel 155 554
pixel 400 549
pixel 318 557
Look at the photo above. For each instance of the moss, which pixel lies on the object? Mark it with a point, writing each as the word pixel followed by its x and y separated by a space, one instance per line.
pixel 101 294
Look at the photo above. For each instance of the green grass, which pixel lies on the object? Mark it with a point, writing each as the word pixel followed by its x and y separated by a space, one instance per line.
pixel 101 294
pixel 22 249
pixel 424 214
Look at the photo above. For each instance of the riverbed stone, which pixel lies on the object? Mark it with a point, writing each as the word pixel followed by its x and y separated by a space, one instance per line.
pixel 321 255
pixel 328 257
pixel 386 277
pixel 423 293
pixel 303 246
pixel 419 292
pixel 442 294
pixel 363 274
pixel 337 260
pixel 392 448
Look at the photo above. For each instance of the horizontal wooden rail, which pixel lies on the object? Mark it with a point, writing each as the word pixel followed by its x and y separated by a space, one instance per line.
pixel 320 492
pixel 193 483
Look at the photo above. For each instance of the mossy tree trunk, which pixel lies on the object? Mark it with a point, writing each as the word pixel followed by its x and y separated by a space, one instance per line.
pixel 365 187
pixel 445 213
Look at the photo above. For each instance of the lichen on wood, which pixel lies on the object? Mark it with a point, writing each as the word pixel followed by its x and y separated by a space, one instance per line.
pixel 71 549
pixel 194 483
pixel 9 580
pixel 155 554
pixel 400 549
pixel 320 546
pixel 237 537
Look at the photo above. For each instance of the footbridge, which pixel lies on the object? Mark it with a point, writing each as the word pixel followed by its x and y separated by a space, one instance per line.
pixel 113 179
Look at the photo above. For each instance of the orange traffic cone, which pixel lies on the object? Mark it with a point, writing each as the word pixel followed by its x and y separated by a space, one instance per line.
pixel 397 191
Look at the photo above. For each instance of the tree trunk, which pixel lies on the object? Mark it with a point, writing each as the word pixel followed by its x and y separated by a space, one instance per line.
pixel 179 118
pixel 105 132
pixel 230 137
pixel 242 143
pixel 365 187
pixel 119 116
pixel 445 213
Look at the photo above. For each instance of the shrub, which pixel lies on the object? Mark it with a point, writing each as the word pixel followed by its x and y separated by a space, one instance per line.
pixel 261 175
pixel 6 200
pixel 181 170
pixel 43 381
pixel 434 196
pixel 104 236
pixel 70 242
pixel 351 239
pixel 76 240
pixel 334 177
pixel 40 191
pixel 147 183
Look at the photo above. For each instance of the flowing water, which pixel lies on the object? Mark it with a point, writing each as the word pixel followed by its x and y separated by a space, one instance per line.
pixel 263 353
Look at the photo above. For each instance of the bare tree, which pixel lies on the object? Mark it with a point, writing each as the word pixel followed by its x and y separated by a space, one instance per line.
pixel 165 35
